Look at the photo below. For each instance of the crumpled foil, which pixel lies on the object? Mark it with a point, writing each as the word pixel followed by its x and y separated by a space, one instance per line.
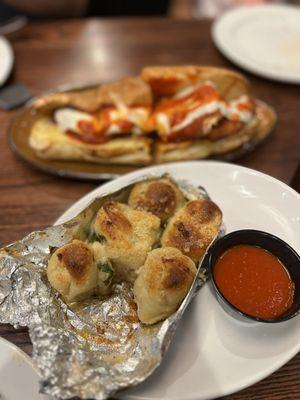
pixel 97 347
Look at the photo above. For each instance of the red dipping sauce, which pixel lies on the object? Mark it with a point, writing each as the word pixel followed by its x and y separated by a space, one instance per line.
pixel 254 281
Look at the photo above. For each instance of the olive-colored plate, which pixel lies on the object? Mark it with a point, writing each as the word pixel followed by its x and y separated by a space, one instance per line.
pixel 18 136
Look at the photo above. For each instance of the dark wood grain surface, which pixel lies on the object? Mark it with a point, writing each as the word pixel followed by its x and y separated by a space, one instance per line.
pixel 55 53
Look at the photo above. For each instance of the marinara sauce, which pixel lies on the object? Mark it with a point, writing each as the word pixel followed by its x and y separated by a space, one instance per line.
pixel 254 281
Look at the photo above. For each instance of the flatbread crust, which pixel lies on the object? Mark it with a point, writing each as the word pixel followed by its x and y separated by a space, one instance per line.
pixel 130 91
pixel 49 142
pixel 258 128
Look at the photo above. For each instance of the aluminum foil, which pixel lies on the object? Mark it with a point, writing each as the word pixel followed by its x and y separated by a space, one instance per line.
pixel 97 347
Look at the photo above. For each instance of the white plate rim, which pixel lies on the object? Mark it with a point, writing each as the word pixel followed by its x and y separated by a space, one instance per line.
pixel 83 201
pixel 222 23
pixel 27 362
pixel 18 350
pixel 9 61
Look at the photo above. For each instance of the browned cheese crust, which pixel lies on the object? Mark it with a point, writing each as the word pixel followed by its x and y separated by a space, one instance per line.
pixel 129 236
pixel 77 258
pixel 113 222
pixel 161 197
pixel 162 283
pixel 193 228
pixel 174 268
pixel 72 271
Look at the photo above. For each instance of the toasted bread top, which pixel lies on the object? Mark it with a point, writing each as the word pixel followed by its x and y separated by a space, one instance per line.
pixel 166 80
pixel 130 91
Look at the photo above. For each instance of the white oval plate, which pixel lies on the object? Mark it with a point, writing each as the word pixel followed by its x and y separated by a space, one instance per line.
pixel 213 354
pixel 18 377
pixel 7 59
pixel 263 39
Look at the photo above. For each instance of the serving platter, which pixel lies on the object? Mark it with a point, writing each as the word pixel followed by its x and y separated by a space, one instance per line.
pixel 18 136
pixel 213 354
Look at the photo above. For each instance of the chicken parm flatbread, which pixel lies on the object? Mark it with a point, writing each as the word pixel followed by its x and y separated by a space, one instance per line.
pixel 166 114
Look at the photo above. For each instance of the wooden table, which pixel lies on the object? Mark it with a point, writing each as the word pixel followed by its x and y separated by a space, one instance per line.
pixel 55 53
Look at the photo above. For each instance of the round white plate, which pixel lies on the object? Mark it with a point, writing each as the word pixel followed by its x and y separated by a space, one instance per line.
pixel 213 354
pixel 7 59
pixel 18 377
pixel 262 39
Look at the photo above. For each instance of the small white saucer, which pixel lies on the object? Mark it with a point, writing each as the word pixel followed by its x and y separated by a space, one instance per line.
pixel 264 40
pixel 7 59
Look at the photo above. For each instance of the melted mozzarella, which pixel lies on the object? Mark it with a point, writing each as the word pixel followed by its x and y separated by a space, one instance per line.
pixel 230 111
pixel 233 110
pixel 136 115
pixel 68 118
pixel 163 122
pixel 208 108
pixel 192 88
pixel 137 130
pixel 114 129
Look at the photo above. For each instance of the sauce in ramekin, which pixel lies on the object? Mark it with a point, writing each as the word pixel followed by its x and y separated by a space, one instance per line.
pixel 254 281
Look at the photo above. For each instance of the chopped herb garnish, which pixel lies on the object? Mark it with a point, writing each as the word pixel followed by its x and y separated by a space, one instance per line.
pixel 108 281
pixel 106 268
pixel 52 249
pixel 101 239
pixel 94 237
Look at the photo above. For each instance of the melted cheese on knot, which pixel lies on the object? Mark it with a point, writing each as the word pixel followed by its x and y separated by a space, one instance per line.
pixel 161 197
pixel 72 271
pixel 193 228
pixel 162 283
pixel 128 236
